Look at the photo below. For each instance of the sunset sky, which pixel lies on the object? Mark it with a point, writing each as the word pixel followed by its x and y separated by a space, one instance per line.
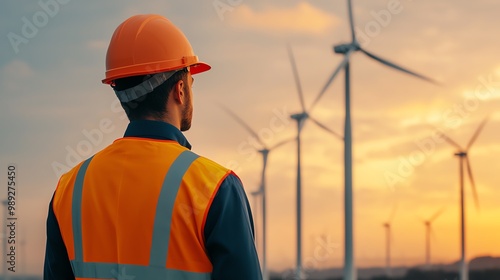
pixel 52 99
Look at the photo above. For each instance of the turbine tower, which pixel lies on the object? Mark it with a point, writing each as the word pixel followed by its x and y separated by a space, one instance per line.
pixel 347 50
pixel 264 151
pixel 428 231
pixel 463 158
pixel 388 239
pixel 387 226
pixel 300 118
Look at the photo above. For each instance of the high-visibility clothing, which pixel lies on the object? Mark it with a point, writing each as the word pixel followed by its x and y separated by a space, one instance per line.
pixel 228 230
pixel 129 212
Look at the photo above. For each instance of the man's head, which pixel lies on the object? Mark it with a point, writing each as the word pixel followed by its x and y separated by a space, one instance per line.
pixel 151 74
pixel 171 101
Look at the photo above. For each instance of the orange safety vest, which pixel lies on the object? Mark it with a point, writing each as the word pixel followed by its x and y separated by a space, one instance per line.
pixel 137 210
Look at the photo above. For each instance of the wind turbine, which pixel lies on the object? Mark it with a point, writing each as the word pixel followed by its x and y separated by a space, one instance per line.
pixel 300 118
pixel 428 231
pixel 388 239
pixel 463 158
pixel 264 151
pixel 347 50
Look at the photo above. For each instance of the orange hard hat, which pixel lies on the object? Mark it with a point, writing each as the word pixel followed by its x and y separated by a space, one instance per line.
pixel 149 44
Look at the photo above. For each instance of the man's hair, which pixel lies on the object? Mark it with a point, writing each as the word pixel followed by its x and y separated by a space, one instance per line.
pixel 153 104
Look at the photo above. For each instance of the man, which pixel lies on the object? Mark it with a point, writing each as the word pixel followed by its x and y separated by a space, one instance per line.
pixel 146 207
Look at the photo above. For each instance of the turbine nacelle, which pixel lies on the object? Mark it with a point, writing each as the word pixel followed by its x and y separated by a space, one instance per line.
pixel 461 154
pixel 344 48
pixel 300 116
pixel 264 151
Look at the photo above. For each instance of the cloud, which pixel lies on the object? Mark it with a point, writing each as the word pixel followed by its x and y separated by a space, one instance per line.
pixel 488 88
pixel 302 18
pixel 97 45
pixel 17 69
pixel 14 74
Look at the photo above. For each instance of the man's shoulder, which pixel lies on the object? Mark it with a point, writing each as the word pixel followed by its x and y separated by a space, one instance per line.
pixel 209 163
pixel 73 171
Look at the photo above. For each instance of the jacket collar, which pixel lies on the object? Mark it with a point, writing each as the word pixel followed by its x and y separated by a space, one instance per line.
pixel 156 130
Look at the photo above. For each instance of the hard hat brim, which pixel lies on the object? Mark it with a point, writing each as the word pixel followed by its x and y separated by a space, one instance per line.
pixel 199 68
pixel 136 70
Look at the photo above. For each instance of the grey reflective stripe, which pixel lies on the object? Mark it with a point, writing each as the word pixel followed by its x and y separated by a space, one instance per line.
pixel 165 206
pixel 145 87
pixel 156 269
pixel 76 208
pixel 132 272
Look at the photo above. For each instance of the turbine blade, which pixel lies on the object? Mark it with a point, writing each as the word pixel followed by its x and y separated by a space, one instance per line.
pixel 279 144
pixel 392 65
pixel 351 20
pixel 436 215
pixel 446 138
pixel 243 124
pixel 331 78
pixel 296 77
pixel 472 182
pixel 476 134
pixel 324 127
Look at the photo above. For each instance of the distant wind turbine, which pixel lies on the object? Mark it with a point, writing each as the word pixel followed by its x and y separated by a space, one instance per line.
pixel 388 239
pixel 347 50
pixel 300 118
pixel 428 231
pixel 463 158
pixel 264 151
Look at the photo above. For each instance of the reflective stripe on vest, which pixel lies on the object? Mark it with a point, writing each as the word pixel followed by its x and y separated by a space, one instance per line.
pixel 161 232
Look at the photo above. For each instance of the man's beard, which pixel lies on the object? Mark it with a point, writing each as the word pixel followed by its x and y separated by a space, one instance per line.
pixel 187 112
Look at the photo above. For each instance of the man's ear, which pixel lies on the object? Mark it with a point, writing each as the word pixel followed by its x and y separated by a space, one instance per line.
pixel 178 92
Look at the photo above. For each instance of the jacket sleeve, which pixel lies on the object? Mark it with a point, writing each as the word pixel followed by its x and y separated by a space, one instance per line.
pixel 57 265
pixel 229 234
